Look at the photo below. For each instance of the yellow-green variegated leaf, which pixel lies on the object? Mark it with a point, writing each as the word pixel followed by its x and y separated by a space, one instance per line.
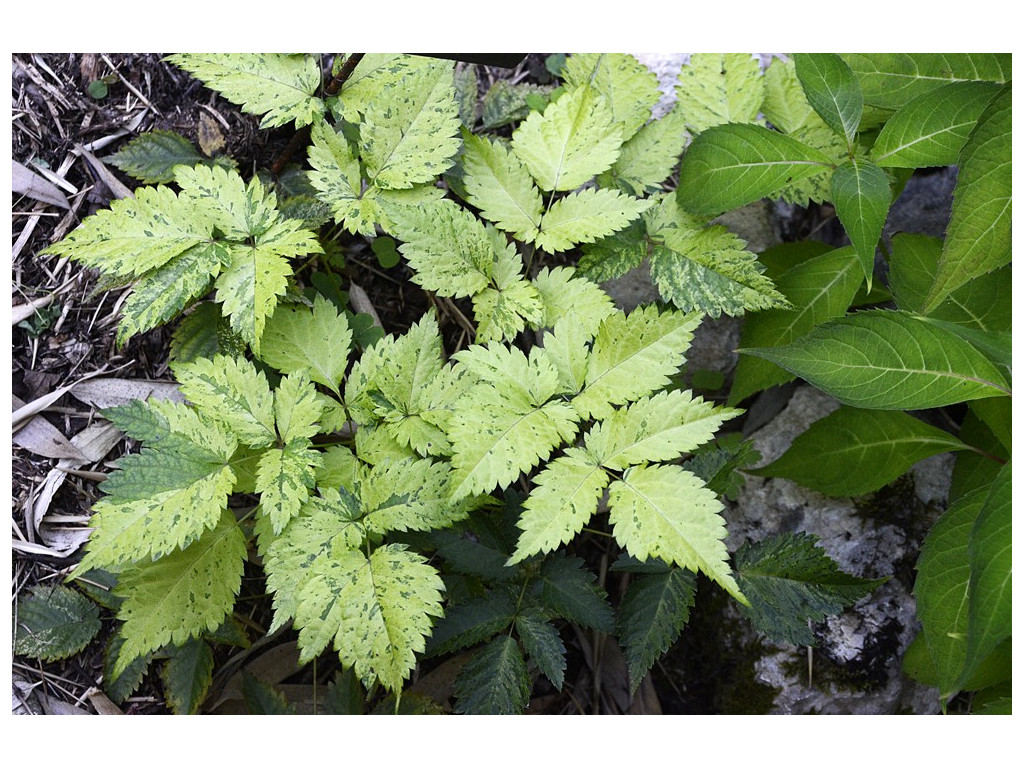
pixel 315 340
pixel 564 498
pixel 499 185
pixel 567 297
pixel 284 478
pixel 665 512
pixel 587 216
pixel 630 88
pixel 410 495
pixel 718 88
pixel 182 595
pixel 232 390
pixel 503 314
pixel 281 87
pixel 377 610
pixel 573 140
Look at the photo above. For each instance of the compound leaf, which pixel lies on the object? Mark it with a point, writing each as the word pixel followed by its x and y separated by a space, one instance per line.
pixel 564 497
pixel 854 451
pixel 818 290
pixel 832 89
pixel 567 297
pixel 647 159
pixel 789 581
pixel 54 622
pixel 651 616
pixel 860 192
pixel 377 609
pixel 633 356
pixel 471 622
pixel 281 87
pixel 501 187
pixel 335 175
pixel 495 681
pixel 572 141
pixel 150 157
pixel 978 237
pixel 587 216
pixel 284 478
pixel 411 495
pixel 665 512
pixel 728 166
pixel 232 390
pixel 888 360
pixel 313 340
pixel 409 133
pixel 932 129
pixel 503 313
pixel 718 88
pixel 183 594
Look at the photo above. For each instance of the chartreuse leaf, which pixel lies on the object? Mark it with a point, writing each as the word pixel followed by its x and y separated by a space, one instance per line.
pixel 889 360
pixel 313 340
pixel 233 391
pixel 501 187
pixel 447 247
pixel 728 166
pixel 373 76
pixel 854 451
pixel 543 645
pixel 718 88
pixel 284 478
pixel 502 313
pixel 931 129
pixel 616 254
pixel 633 355
pixel 138 234
pixel 240 211
pixel 941 589
pixel 891 80
pixel 566 348
pixel 990 554
pixel 187 676
pixel 564 498
pixel 327 523
pixel 565 587
pixel 572 141
pixel 790 581
pixel 281 87
pixel 377 610
pixel 587 216
pixel 411 495
pixel 705 268
pixel 54 622
pixel 182 594
pixel 860 192
pixel 979 232
pixel 410 132
pixel 168 494
pixel 818 289
pixel 651 616
pixel 665 512
pixel 567 297
pixel 505 425
pixel 630 88
pixel 495 681
pixel 647 159
pixel 832 89
pixel 335 175
pixel 658 428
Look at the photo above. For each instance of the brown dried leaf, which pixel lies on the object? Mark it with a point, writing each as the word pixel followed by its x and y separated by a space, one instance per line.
pixel 211 138
pixel 26 182
pixel 43 439
pixel 110 392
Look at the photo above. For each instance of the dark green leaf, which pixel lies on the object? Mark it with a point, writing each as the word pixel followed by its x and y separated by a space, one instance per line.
pixel 653 612
pixel 832 89
pixel 54 622
pixel 932 129
pixel 890 80
pixel 494 681
pixel 888 360
pixel 790 581
pixel 990 555
pixel 264 699
pixel 543 646
pixel 943 574
pixel 717 464
pixel 728 166
pixel 979 232
pixel 187 676
pixel 151 157
pixel 853 451
pixel 344 694
pixel 860 192
pixel 471 622
pixel 569 589
pixel 974 470
pixel 120 687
